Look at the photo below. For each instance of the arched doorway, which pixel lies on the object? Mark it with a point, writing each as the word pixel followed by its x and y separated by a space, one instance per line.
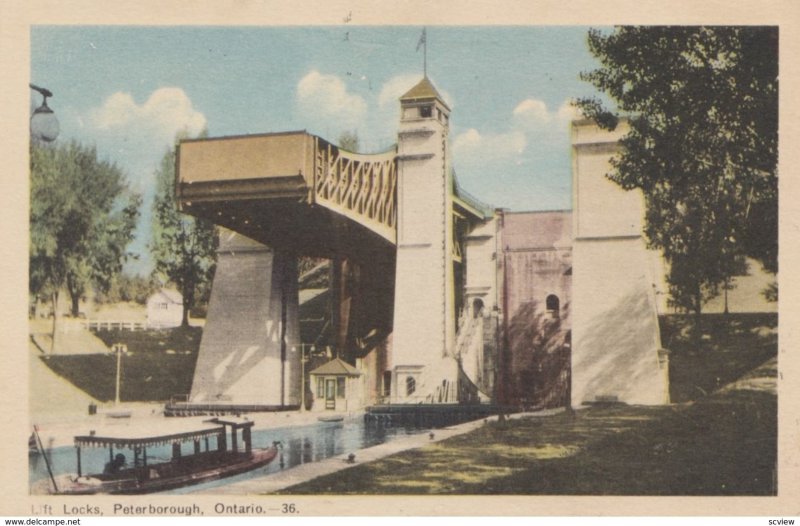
pixel 552 304
pixel 477 307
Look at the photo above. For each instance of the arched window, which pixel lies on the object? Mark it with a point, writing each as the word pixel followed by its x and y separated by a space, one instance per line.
pixel 411 385
pixel 552 304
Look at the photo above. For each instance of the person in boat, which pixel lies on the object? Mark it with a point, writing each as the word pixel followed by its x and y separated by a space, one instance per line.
pixel 113 467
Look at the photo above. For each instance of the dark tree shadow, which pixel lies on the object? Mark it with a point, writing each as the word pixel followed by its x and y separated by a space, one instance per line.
pixel 539 362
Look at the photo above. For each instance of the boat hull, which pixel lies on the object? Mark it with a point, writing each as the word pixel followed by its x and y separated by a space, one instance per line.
pixel 161 477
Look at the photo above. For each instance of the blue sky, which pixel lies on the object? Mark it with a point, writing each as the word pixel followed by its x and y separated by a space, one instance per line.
pixel 128 90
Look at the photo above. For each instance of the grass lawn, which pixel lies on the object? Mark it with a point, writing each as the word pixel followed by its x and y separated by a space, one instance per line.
pixel 713 442
pixel 158 364
pixel 723 445
pixel 730 346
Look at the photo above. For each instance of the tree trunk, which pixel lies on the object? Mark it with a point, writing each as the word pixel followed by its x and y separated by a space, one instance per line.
pixel 185 315
pixel 726 287
pixel 188 300
pixel 698 311
pixel 75 293
pixel 75 304
pixel 54 299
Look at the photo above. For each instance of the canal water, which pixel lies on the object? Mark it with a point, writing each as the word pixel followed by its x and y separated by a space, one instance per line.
pixel 300 445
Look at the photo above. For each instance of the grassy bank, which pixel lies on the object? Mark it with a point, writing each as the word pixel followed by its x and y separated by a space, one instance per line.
pixel 721 439
pixel 722 445
pixel 729 346
pixel 158 364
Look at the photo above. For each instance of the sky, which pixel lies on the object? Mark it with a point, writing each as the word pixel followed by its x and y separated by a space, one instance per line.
pixel 129 89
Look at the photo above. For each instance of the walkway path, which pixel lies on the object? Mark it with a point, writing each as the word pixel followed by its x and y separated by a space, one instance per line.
pixel 51 396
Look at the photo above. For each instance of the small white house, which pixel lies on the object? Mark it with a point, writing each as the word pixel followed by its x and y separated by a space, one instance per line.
pixel 165 308
pixel 337 386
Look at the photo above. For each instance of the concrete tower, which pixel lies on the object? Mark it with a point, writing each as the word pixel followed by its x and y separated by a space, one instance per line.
pixel 616 345
pixel 424 313
pixel 247 352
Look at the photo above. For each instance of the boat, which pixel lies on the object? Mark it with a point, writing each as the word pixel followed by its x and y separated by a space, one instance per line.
pixel 143 476
pixel 118 414
pixel 330 418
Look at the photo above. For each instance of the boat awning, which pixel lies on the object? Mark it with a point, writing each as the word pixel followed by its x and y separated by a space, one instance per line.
pixel 233 421
pixel 131 438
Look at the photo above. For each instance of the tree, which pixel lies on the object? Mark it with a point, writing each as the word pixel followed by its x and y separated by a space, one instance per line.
pixel 349 141
pixel 702 107
pixel 128 288
pixel 82 218
pixel 184 248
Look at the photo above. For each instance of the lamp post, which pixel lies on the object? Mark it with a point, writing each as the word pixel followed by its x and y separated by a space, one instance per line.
pixel 119 348
pixel 44 124
pixel 496 387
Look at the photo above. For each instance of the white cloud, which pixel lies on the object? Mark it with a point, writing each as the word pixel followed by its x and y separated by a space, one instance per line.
pixel 472 145
pixel 394 88
pixel 531 130
pixel 325 97
pixel 166 112
pixel 531 113
pixel 567 112
pixel 135 137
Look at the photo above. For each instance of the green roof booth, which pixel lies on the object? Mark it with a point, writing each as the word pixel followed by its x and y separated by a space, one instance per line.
pixel 337 386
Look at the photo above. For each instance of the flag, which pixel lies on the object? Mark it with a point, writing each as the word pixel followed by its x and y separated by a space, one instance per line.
pixel 421 39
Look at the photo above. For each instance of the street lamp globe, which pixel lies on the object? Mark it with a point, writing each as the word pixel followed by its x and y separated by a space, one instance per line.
pixel 44 124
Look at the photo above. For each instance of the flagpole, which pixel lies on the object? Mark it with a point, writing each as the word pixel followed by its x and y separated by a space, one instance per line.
pixel 425 52
pixel 423 41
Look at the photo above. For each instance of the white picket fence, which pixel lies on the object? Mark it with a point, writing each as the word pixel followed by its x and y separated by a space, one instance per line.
pixel 122 325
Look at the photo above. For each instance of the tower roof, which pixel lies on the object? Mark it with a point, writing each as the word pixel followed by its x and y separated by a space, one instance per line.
pixel 338 367
pixel 423 90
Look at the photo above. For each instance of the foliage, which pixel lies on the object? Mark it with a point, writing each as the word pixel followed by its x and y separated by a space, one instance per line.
pixel 702 108
pixel 183 247
pixel 349 141
pixel 771 292
pixel 128 288
pixel 539 357
pixel 82 218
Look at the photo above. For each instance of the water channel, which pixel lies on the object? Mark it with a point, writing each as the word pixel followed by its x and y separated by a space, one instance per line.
pixel 300 445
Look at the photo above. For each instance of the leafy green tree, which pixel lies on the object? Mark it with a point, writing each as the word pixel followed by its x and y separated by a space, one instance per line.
pixel 128 288
pixel 82 218
pixel 183 247
pixel 702 105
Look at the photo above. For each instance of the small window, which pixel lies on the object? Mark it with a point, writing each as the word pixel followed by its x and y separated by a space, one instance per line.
pixel 425 112
pixel 340 382
pixel 387 383
pixel 320 387
pixel 552 304
pixel 411 385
